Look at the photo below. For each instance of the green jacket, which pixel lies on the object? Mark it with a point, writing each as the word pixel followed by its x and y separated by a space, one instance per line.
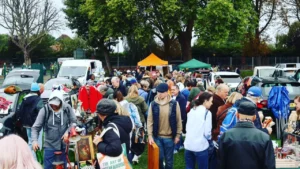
pixel 141 105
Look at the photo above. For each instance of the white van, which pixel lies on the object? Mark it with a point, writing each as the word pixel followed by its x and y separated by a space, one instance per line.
pixel 263 71
pixel 81 69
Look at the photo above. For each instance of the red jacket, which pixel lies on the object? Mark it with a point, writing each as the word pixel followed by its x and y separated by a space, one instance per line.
pixel 89 101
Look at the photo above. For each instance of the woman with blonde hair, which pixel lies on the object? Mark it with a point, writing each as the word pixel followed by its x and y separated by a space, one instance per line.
pixel 138 101
pixel 222 111
pixel 17 154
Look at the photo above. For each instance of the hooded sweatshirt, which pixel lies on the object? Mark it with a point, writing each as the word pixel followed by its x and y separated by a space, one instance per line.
pixel 56 124
pixel 164 123
pixel 141 105
pixel 111 144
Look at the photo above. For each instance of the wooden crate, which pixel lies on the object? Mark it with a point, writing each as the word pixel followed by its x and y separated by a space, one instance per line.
pixel 286 163
pixel 153 156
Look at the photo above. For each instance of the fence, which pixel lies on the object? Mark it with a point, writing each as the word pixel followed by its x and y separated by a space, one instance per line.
pixel 248 62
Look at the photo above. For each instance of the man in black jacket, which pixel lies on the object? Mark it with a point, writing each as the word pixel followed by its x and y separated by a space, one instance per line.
pixel 118 86
pixel 245 146
pixel 28 112
pixel 110 143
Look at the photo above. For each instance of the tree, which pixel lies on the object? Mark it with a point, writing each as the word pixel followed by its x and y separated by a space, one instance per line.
pixel 222 22
pixel 68 46
pixel 4 42
pixel 293 37
pixel 28 22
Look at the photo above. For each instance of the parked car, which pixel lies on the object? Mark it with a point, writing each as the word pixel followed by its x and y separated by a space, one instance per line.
pixel 266 84
pixel 22 79
pixel 230 78
pixel 285 72
pixel 263 71
pixel 288 65
pixel 65 86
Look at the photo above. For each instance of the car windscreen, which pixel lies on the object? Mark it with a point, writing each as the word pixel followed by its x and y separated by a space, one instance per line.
pixel 292 88
pixel 74 71
pixel 4 99
pixel 231 78
pixel 50 83
pixel 18 79
pixel 266 72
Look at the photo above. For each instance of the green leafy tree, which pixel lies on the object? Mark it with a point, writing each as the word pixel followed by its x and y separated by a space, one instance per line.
pixel 4 42
pixel 68 45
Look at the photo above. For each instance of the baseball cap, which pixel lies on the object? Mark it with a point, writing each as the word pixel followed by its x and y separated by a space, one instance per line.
pixel 35 87
pixel 247 108
pixel 254 91
pixel 133 81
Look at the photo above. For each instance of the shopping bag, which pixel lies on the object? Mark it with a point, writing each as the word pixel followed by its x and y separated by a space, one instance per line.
pixel 108 162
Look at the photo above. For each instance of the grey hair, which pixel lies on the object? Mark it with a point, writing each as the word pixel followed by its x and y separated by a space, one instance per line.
pixel 220 87
pixel 115 78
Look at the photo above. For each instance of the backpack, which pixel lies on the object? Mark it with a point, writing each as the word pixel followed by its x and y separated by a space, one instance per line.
pixel 134 115
pixel 28 112
pixel 229 121
pixel 47 115
pixel 188 107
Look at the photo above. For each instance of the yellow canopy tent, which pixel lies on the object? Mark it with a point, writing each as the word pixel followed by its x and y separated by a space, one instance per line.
pixel 152 60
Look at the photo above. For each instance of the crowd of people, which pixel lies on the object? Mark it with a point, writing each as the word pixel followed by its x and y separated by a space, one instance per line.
pixel 216 128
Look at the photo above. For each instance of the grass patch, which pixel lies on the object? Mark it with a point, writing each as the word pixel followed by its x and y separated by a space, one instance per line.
pixel 179 162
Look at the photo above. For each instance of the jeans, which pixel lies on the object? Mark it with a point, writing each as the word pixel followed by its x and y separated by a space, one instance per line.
pixel 49 157
pixel 213 161
pixel 166 149
pixel 179 144
pixel 40 140
pixel 192 157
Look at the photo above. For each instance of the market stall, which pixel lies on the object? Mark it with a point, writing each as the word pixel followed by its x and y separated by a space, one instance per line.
pixel 154 61
pixel 193 64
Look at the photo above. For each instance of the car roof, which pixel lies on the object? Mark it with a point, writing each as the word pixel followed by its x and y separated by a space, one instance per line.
pixel 264 67
pixel 277 80
pixel 225 73
pixel 80 62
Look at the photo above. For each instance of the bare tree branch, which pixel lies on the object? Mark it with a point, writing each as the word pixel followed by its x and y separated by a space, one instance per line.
pixel 28 21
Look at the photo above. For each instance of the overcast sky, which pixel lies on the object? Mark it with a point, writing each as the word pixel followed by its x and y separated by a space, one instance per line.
pixel 271 32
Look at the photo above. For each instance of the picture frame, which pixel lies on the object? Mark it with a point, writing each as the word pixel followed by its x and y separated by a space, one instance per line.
pixel 85 149
pixel 74 101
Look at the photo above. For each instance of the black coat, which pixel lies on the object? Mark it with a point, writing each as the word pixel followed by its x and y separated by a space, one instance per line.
pixel 111 144
pixel 246 147
pixel 182 104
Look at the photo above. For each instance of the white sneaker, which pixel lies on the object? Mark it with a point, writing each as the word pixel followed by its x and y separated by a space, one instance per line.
pixel 175 152
pixel 181 147
pixel 135 159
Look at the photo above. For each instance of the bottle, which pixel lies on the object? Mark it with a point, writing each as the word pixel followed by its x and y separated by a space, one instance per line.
pixel 39 156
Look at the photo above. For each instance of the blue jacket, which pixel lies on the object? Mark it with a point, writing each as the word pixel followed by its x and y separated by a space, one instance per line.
pixel 185 93
pixel 182 104
pixel 143 94
pixel 279 101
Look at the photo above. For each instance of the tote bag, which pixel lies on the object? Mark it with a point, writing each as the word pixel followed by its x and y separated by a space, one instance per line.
pixel 119 162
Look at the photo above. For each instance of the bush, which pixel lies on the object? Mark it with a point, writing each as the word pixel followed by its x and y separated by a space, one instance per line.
pixel 245 73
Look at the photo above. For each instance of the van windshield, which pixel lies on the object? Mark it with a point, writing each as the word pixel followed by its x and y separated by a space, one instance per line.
pixel 74 71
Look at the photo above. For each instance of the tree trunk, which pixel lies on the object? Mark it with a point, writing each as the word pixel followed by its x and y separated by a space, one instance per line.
pixel 107 59
pixel 185 40
pixel 167 47
pixel 185 43
pixel 258 53
pixel 27 58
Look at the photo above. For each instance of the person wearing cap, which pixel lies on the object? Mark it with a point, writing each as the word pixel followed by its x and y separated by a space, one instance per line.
pixel 56 118
pixel 254 95
pixel 244 146
pixel 164 125
pixel 110 143
pixel 28 112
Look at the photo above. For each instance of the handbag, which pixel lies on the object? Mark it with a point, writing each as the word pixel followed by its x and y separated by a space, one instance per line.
pixel 119 162
pixel 211 146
